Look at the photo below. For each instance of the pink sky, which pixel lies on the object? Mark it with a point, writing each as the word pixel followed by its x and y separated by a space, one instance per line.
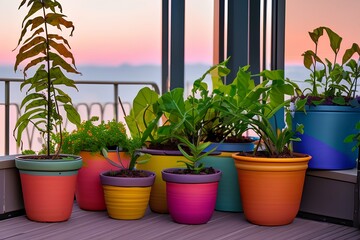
pixel 114 32
pixel 342 16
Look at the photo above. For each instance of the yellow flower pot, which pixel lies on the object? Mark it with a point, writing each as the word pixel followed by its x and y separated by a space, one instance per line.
pixel 126 198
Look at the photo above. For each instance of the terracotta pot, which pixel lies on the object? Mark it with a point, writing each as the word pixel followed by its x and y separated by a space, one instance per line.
pixel 160 160
pixel 127 198
pixel 89 192
pixel 271 188
pixel 48 187
pixel 191 198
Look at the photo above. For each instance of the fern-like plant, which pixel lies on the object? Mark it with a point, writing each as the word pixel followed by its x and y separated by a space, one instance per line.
pixel 43 48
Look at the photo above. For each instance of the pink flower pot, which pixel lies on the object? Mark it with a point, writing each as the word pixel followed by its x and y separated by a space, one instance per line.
pixel 191 198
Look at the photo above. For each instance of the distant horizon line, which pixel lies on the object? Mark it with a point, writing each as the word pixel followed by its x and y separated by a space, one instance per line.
pixel 141 65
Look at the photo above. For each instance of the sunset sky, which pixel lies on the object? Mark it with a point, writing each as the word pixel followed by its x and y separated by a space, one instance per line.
pixel 114 32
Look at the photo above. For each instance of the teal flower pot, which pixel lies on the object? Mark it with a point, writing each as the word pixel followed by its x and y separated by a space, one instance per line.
pixel 228 196
pixel 325 128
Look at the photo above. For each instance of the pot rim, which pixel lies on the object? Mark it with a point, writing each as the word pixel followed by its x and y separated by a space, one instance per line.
pixel 190 178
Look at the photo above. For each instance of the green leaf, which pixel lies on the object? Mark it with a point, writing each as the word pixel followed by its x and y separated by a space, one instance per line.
pixel 72 114
pixel 58 61
pixel 335 40
pixel 63 99
pixel 144 158
pixel 350 52
pixel 36 6
pixel 34 51
pixel 34 22
pixel 339 100
pixel 30 97
pixel 316 34
pixel 36 103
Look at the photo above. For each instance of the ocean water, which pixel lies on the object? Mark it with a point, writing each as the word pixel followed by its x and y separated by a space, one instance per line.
pixel 104 94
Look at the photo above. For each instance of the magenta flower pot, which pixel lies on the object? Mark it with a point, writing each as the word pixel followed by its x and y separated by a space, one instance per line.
pixel 191 199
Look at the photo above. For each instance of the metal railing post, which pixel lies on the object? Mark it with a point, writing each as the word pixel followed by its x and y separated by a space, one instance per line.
pixel 7 117
pixel 116 94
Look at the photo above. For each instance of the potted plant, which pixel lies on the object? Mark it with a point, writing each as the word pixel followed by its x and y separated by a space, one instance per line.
pixel 48 181
pixel 332 108
pixel 144 121
pixel 227 136
pixel 88 141
pixel 127 190
pixel 148 120
pixel 191 192
pixel 271 177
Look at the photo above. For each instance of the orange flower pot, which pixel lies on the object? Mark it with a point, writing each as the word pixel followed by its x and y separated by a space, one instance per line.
pixel 89 192
pixel 271 188
pixel 48 187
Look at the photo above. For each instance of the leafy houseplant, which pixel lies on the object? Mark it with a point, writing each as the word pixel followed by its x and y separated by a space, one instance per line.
pixel 145 121
pixel 331 103
pixel 186 119
pixel 331 82
pixel 88 140
pixel 217 129
pixel 271 177
pixel 49 52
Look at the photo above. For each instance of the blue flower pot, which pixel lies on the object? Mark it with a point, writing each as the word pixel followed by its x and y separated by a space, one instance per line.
pixel 325 128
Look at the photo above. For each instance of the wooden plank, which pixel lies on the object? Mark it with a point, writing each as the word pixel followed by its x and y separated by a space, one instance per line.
pixel 222 226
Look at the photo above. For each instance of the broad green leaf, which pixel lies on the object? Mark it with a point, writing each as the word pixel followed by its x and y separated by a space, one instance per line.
pixel 335 40
pixel 144 98
pixel 308 60
pixel 72 114
pixel 316 34
pixel 350 52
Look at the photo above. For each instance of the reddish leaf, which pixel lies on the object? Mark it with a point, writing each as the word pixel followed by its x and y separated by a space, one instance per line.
pixel 62 50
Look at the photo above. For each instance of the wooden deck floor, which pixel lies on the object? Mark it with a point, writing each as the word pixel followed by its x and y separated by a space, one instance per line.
pixel 223 225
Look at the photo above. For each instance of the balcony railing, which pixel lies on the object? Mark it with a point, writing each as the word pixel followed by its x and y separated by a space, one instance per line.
pixel 6 109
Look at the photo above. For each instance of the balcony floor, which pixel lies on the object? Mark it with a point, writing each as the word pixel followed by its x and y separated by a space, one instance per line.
pixel 223 225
